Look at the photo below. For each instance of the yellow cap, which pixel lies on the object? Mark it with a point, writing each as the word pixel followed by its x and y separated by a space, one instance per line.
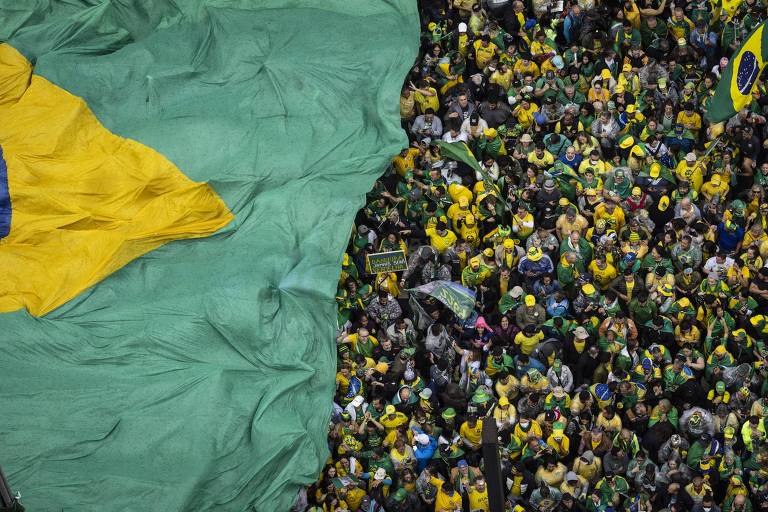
pixel 631 108
pixel 605 74
pixel 563 201
pixel 503 401
pixel 618 89
pixel 530 300
pixel 488 252
pixel 655 170
pixel 663 203
pixel 382 367
pixel 715 180
pixel 463 201
pixel 626 142
pixel 469 220
pixel 588 288
pixel 474 262
pixel 535 254
pixel 390 409
pixel 432 26
pixel 636 191
pixel 509 243
pixel 490 133
pixel 720 350
pixel 345 260
pixel 590 192
pixel 626 67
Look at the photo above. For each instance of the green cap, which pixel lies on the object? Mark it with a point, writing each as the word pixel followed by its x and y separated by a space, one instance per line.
pixel 400 495
pixel 449 413
pixel 720 387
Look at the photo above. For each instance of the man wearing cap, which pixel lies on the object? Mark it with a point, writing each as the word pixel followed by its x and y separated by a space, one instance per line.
pixel 504 413
pixel 392 418
pixel 475 273
pixel 692 171
pixel 534 265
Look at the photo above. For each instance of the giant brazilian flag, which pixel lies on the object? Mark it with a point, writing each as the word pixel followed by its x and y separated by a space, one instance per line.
pixel 177 184
pixel 739 79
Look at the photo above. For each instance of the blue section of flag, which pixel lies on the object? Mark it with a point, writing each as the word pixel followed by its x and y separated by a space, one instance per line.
pixel 5 199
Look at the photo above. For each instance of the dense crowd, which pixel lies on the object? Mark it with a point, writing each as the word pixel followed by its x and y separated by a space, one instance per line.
pixel 615 242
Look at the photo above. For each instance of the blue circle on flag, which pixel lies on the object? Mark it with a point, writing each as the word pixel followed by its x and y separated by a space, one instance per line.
pixel 747 73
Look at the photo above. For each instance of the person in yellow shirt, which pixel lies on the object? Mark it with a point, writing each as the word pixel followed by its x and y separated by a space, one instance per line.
pixel 447 499
pixel 502 76
pixel 478 497
pixel 529 337
pixel 459 210
pixel 392 418
pixel 569 222
pixel 425 97
pixel 440 237
pixel 541 158
pixel 598 93
pixel 541 50
pixel 594 162
pixel 689 118
pixel 716 186
pixel 507 387
pixel 524 111
pixel 691 171
pixel 405 160
pixel 526 428
pixel 469 231
pixel 525 65
pixel 628 80
pixel 603 272
pixel 485 50
pixel 471 432
pixel 612 214
pixel 522 222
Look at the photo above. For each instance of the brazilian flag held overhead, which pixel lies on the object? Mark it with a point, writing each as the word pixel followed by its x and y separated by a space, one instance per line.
pixel 178 179
pixel 739 80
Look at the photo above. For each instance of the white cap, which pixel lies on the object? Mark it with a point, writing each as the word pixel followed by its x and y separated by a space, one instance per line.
pixel 380 474
pixel 462 27
pixel 422 439
pixel 357 401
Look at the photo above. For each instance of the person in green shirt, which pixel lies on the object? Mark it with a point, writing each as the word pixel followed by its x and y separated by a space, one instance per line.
pixel 611 488
pixel 676 374
pixel 641 309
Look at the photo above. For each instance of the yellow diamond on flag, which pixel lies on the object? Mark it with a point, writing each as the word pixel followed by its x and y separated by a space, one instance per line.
pixel 76 201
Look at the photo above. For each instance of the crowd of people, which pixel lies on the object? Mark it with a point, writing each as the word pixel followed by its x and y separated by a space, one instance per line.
pixel 615 243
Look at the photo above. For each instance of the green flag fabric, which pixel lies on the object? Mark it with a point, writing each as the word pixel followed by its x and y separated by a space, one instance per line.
pixel 739 79
pixel 459 299
pixel 200 376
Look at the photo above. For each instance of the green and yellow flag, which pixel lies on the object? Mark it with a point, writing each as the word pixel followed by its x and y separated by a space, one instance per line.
pixel 173 213
pixel 730 7
pixel 739 80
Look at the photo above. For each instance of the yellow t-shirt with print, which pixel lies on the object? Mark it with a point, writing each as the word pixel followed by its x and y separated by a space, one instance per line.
pixel 424 102
pixel 603 277
pixel 525 116
pixel 528 343
pixel 472 434
pixel 484 54
pixel 521 69
pixel 544 162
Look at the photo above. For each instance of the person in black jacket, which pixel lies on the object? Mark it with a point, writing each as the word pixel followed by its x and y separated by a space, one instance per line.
pixel 673 495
